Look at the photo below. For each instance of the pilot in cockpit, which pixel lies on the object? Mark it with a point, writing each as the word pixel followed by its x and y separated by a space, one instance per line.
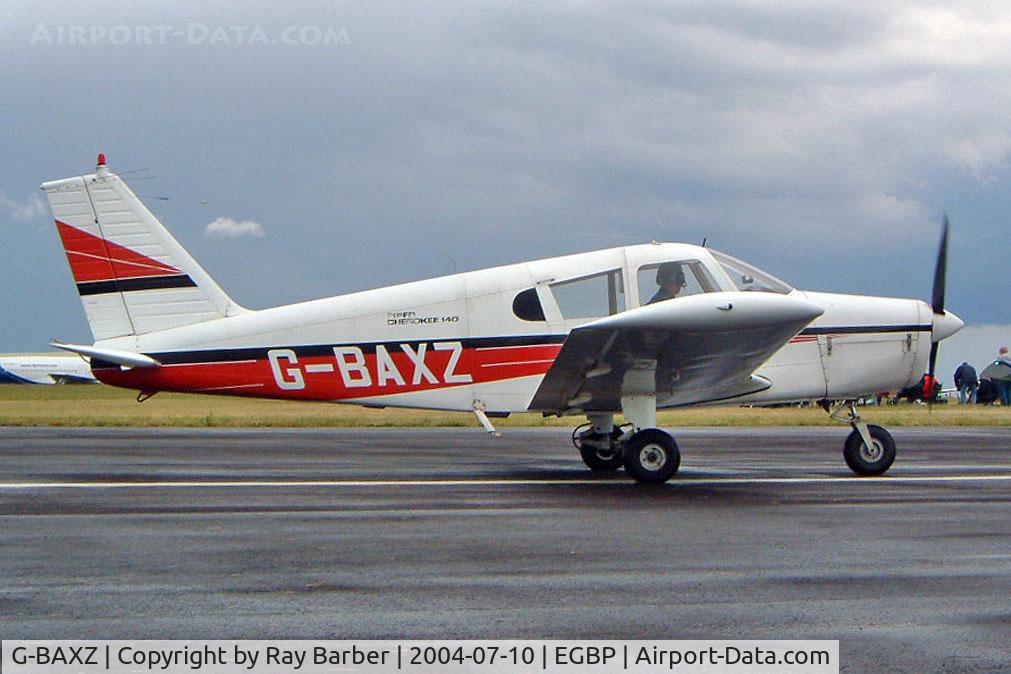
pixel 670 276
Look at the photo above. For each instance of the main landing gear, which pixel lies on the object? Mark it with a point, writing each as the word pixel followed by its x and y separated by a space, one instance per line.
pixel 651 456
pixel 869 449
pixel 648 454
pixel 599 443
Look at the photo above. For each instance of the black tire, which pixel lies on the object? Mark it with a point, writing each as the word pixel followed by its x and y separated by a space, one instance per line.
pixel 873 462
pixel 652 456
pixel 601 460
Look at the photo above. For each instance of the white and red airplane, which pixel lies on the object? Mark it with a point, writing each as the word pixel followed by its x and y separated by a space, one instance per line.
pixel 624 330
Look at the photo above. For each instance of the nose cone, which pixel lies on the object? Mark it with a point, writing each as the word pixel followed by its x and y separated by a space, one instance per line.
pixel 945 325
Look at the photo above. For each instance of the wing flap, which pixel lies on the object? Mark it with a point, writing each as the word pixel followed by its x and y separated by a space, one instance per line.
pixel 695 349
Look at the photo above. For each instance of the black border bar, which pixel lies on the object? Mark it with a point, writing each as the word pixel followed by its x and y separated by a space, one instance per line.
pixel 126 285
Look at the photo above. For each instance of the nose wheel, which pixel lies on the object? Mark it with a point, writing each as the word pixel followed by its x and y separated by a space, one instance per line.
pixel 873 460
pixel 869 449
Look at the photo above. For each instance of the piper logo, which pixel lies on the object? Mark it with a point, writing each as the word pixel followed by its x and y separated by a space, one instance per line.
pixel 407 366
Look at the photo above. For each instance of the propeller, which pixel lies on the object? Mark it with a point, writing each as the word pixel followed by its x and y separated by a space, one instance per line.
pixel 940 270
pixel 944 324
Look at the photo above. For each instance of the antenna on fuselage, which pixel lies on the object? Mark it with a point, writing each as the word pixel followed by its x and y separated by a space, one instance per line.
pixel 434 241
pixel 703 242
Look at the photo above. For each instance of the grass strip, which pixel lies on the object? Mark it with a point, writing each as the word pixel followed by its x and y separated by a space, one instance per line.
pixel 106 406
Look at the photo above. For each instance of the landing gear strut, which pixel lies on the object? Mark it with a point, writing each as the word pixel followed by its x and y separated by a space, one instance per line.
pixel 869 449
pixel 651 455
pixel 648 454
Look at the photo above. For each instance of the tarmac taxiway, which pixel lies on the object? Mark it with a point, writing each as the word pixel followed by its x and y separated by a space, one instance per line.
pixel 447 533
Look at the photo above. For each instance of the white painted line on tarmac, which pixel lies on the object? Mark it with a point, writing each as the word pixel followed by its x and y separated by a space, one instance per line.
pixel 961 466
pixel 299 484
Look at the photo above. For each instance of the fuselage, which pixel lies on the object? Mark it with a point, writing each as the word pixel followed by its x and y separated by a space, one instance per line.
pixel 488 337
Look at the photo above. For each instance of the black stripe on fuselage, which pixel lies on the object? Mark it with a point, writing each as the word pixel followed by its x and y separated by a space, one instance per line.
pixel 310 350
pixel 125 285
pixel 865 329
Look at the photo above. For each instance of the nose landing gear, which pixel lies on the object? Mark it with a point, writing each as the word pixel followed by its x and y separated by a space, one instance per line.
pixel 869 449
pixel 873 459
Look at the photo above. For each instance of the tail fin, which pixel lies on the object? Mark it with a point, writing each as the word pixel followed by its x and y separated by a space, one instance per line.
pixel 132 275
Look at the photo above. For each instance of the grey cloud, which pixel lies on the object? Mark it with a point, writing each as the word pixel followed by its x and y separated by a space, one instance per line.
pixel 789 133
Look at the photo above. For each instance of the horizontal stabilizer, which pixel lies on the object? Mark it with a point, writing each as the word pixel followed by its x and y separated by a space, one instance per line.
pixel 124 358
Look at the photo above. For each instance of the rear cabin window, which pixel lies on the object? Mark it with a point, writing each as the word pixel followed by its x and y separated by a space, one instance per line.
pixel 667 280
pixel 591 296
pixel 527 306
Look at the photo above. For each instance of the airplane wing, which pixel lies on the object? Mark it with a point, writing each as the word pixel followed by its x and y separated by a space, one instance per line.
pixel 695 349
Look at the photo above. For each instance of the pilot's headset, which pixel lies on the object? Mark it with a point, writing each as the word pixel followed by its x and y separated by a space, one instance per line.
pixel 668 272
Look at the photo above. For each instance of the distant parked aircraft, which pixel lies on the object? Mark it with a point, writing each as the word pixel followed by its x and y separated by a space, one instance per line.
pixel 44 368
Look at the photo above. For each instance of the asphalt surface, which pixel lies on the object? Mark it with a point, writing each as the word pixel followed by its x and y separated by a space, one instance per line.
pixel 436 533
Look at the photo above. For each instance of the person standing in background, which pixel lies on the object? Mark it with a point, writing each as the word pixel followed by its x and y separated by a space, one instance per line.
pixel 967 382
pixel 1003 385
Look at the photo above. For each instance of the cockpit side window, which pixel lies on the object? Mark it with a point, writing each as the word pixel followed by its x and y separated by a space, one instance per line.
pixel 677 278
pixel 749 278
pixel 591 296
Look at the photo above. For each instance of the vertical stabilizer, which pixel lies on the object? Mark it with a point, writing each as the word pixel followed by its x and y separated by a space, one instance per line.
pixel 132 275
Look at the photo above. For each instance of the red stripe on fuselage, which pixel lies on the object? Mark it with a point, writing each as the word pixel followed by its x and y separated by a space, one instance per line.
pixel 257 378
pixel 93 258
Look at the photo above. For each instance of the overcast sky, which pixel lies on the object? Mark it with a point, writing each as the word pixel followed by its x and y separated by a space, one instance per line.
pixel 320 148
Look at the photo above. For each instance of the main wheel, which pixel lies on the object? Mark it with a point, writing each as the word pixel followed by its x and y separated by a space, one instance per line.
pixel 599 459
pixel 873 460
pixel 652 456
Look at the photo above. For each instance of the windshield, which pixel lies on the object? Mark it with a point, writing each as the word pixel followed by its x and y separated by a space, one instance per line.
pixel 747 277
